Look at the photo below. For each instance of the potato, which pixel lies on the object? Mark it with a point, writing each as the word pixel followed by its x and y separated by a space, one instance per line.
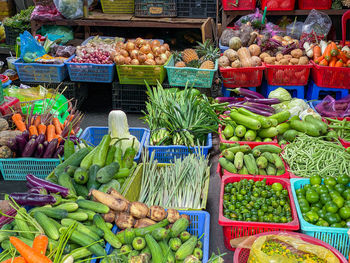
pixel 303 60
pixel 173 215
pixel 156 213
pixel 284 43
pixel 236 64
pixel 296 53
pixel 284 61
pixel 264 55
pixel 224 61
pixel 109 217
pixel 278 38
pixel 256 61
pixel 269 60
pixel 138 209
pixel 287 38
pixel 116 194
pixel 231 54
pixel 288 57
pixel 279 56
pixel 294 61
pixel 124 220
pixel 143 222
pixel 254 50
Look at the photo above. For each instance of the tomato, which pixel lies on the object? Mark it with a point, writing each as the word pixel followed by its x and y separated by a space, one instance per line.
pixel 315 180
pixel 330 181
pixel 332 218
pixel 343 179
pixel 346 194
pixel 312 196
pixel 344 212
pixel 339 201
pixel 277 187
pixel 331 207
pixel 339 188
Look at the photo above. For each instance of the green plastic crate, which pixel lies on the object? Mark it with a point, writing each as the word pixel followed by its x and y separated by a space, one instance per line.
pixel 132 187
pixel 200 78
pixel 138 74
pixel 118 6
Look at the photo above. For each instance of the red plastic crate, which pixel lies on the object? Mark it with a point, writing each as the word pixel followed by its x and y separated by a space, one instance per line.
pixel 278 5
pixel 331 77
pixel 312 4
pixel 242 77
pixel 234 229
pixel 287 75
pixel 238 4
pixel 242 254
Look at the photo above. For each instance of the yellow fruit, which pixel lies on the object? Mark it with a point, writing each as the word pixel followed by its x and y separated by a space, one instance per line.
pixel 189 54
pixel 180 64
pixel 207 65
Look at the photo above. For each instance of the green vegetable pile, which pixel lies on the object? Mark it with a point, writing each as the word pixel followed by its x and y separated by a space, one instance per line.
pixel 158 244
pixel 261 160
pixel 341 127
pixel 249 200
pixel 327 203
pixel 20 21
pixel 312 155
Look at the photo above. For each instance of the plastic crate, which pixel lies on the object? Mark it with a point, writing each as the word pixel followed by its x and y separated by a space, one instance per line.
pixel 242 254
pixel 129 98
pixel 336 237
pixel 37 72
pixel 16 169
pixel 155 8
pixel 192 77
pixel 278 5
pixel 166 154
pixel 94 134
pixel 11 35
pixel 311 4
pixel 223 48
pixel 196 8
pixel 199 225
pixel 234 229
pixel 131 188
pixel 138 74
pixel 89 72
pixel 331 77
pixel 286 75
pixel 117 7
pixel 242 77
pixel 238 5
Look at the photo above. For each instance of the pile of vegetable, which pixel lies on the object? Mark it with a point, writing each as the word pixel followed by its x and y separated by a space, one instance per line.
pixel 241 58
pixel 308 155
pixel 257 201
pixel 20 21
pixel 183 184
pixel 261 160
pixel 141 52
pixel 179 117
pixel 97 50
pixel 326 203
pixel 294 57
pixel 329 107
pixel 341 127
pixel 329 54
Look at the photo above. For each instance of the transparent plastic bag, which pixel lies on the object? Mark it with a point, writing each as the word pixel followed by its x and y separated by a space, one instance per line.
pixel 46 13
pixel 316 25
pixel 30 47
pixel 295 29
pixel 329 107
pixel 271 30
pixel 254 18
pixel 71 9
pixel 66 33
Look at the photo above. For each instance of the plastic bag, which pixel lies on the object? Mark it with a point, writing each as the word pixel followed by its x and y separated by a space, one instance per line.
pixel 316 25
pixel 254 18
pixel 62 51
pixel 71 9
pixel 329 107
pixel 293 245
pixel 30 47
pixel 271 30
pixel 295 29
pixel 65 33
pixel 46 13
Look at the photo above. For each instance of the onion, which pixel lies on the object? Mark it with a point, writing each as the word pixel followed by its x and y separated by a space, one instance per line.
pixel 162 49
pixel 159 61
pixel 135 62
pixel 130 46
pixel 134 53
pixel 138 41
pixel 150 56
pixel 164 57
pixel 142 57
pixel 167 53
pixel 146 49
pixel 119 60
pixel 166 46
pixel 155 43
pixel 124 53
pixel 156 50
pixel 150 62
pixel 127 60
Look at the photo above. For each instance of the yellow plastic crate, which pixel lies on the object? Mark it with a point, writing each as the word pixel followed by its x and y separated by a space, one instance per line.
pixel 132 187
pixel 118 6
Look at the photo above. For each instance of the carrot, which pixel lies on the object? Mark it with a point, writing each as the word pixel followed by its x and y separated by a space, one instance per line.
pixel 65 123
pixel 62 126
pixel 29 254
pixel 342 56
pixel 317 52
pixel 42 128
pixel 50 132
pixel 37 121
pixel 332 62
pixel 339 63
pixel 57 124
pixel 70 117
pixel 324 62
pixel 58 137
pixel 17 119
pixel 14 260
pixel 319 59
pixel 327 53
pixel 33 130
pixel 334 49
pixel 40 244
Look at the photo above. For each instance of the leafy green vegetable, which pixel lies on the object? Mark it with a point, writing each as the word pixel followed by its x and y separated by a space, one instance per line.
pixel 281 94
pixel 20 21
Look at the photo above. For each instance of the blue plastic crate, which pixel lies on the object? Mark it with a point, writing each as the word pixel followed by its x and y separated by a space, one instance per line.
pixel 38 72
pixel 166 154
pixel 336 237
pixel 94 135
pixel 313 104
pixel 16 169
pixel 223 48
pixel 200 224
pixel 89 72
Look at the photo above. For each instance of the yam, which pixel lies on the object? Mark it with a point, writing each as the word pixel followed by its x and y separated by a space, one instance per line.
pixel 231 54
pixel 296 53
pixel 279 56
pixel 236 64
pixel 294 61
pixel 254 50
pixel 256 61
pixel 116 194
pixel 284 61
pixel 116 204
pixel 144 222
pixel 264 55
pixel 270 60
pixel 125 220
pixel 138 209
pixel 303 60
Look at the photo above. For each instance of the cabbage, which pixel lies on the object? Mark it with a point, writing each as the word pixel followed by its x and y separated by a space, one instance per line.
pixel 281 94
pixel 295 106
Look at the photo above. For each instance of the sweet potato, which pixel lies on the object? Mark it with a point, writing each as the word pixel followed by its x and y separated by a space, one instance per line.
pixel 144 222
pixel 303 60
pixel 279 56
pixel 264 55
pixel 296 53
pixel 294 61
pixel 270 60
pixel 284 61
pixel 138 209
pixel 125 220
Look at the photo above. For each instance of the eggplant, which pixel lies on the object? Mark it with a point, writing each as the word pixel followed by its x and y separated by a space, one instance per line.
pixel 30 148
pixel 248 93
pixel 260 106
pixel 39 152
pixel 257 111
pixel 264 101
pixel 50 187
pixel 59 152
pixel 9 218
pixel 25 135
pixel 21 143
pixel 50 149
pixel 12 144
pixel 45 144
pixel 32 199
pixel 40 139
pixel 33 137
pixel 38 190
pixel 74 139
pixel 30 185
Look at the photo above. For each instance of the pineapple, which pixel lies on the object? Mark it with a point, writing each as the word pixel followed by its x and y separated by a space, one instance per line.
pixel 208 64
pixel 207 51
pixel 180 64
pixel 194 63
pixel 5 152
pixel 189 55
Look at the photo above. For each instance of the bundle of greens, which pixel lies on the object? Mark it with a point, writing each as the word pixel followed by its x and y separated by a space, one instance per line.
pixel 20 21
pixel 179 117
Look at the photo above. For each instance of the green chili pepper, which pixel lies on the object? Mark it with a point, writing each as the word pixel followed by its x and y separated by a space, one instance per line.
pixel 101 154
pixel 110 154
pixel 118 157
pixel 68 148
pixel 129 155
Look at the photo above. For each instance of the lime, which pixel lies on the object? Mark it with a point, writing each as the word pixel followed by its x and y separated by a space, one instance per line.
pixel 312 196
pixel 344 212
pixel 331 207
pixel 315 180
pixel 277 187
pixel 330 181
pixel 343 179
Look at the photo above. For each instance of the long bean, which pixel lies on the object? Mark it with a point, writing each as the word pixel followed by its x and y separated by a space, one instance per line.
pixel 313 155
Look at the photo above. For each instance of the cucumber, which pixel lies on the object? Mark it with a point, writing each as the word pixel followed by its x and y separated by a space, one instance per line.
pixel 186 248
pixel 88 212
pixel 70 169
pixel 66 181
pixel 240 131
pixel 240 148
pixel 228 155
pixel 160 233
pixel 238 162
pixel 283 127
pixel 93 206
pixel 247 121
pixel 156 251
pixel 122 173
pixel 69 207
pixel 79 216
pixel 265 122
pixel 254 163
pixel 278 162
pixel 228 132
pixel 92 183
pixel 141 232
pixel 244 170
pixel 80 227
pixel 322 126
pixel 268 156
pixel 250 135
pixel 268 148
pixel 274 122
pixel 78 253
pixel 85 241
pixel 106 174
pixel 290 135
pixel 268 133
pixel 296 117
pixel 111 184
pixel 58 225
pixel 49 227
pixel 81 190
pixel 179 226
pixel 74 160
pixel 22 225
pixel 250 164
pixel 108 235
pixel 271 170
pixel 281 116
pixel 262 171
pixel 55 213
pixel 261 162
pixel 227 165
pixel 306 127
